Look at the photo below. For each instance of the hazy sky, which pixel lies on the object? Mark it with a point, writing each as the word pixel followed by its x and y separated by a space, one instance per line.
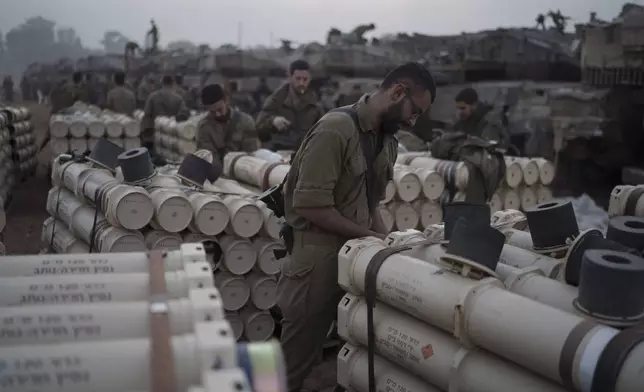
pixel 217 21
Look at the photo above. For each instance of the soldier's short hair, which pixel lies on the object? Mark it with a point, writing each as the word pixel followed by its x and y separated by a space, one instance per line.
pixel 167 80
pixel 119 78
pixel 298 65
pixel 212 94
pixel 467 95
pixel 413 71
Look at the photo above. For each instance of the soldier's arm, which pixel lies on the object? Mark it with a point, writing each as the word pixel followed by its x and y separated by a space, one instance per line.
pixel 183 113
pixel 204 139
pixel 320 167
pixel 250 142
pixel 149 114
pixel 377 224
pixel 264 124
pixel 495 131
pixel 109 101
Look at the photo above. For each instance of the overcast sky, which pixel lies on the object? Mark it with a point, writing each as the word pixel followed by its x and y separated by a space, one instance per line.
pixel 220 21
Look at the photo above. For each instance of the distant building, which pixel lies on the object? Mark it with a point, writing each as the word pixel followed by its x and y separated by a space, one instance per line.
pixel 613 52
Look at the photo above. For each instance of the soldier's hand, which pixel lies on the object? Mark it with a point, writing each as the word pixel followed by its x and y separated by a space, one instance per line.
pixel 281 123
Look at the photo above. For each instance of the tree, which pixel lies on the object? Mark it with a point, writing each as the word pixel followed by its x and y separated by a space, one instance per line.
pixel 114 42
pixel 37 40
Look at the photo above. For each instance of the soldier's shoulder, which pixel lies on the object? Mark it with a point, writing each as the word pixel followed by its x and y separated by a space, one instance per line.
pixel 245 118
pixel 341 119
pixel 204 121
pixel 493 117
pixel 279 94
pixel 337 122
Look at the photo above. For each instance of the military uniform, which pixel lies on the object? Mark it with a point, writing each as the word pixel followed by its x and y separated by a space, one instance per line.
pixel 183 93
pixel 302 111
pixel 329 170
pixel 67 94
pixel 484 123
pixel 143 93
pixel 411 142
pixel 163 102
pixel 486 167
pixel 121 100
pixel 238 134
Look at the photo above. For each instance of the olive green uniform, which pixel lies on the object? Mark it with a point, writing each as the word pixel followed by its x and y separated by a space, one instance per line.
pixel 302 111
pixel 327 171
pixel 238 134
pixel 67 94
pixel 411 142
pixel 163 102
pixel 484 123
pixel 183 93
pixel 121 100
pixel 486 167
pixel 143 93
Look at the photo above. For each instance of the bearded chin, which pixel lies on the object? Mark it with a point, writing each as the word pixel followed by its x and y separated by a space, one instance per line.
pixel 392 121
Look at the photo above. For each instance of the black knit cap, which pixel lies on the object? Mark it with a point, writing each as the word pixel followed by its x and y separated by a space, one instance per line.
pixel 212 94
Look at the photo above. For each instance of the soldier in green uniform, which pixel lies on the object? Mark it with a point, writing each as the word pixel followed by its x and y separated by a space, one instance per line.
pixel 120 99
pixel 330 196
pixel 290 111
pixel 146 87
pixel 478 119
pixel 163 102
pixel 224 128
pixel 69 92
pixel 181 90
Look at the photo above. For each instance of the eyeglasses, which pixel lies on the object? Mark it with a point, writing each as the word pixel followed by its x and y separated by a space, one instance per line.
pixel 416 110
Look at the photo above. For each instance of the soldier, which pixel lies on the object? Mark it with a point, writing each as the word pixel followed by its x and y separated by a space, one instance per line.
pixel 290 111
pixel 330 196
pixel 7 86
pixel 120 99
pixel 146 87
pixel 25 89
pixel 178 85
pixel 68 92
pixel 478 119
pixel 261 93
pixel 350 98
pixel 163 102
pixel 239 99
pixel 91 89
pixel 224 128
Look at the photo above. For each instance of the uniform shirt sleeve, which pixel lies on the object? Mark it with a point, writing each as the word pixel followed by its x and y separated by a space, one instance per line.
pixel 264 123
pixel 204 139
pixel 320 167
pixel 109 102
pixel 148 113
pixel 385 167
pixel 183 113
pixel 251 141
